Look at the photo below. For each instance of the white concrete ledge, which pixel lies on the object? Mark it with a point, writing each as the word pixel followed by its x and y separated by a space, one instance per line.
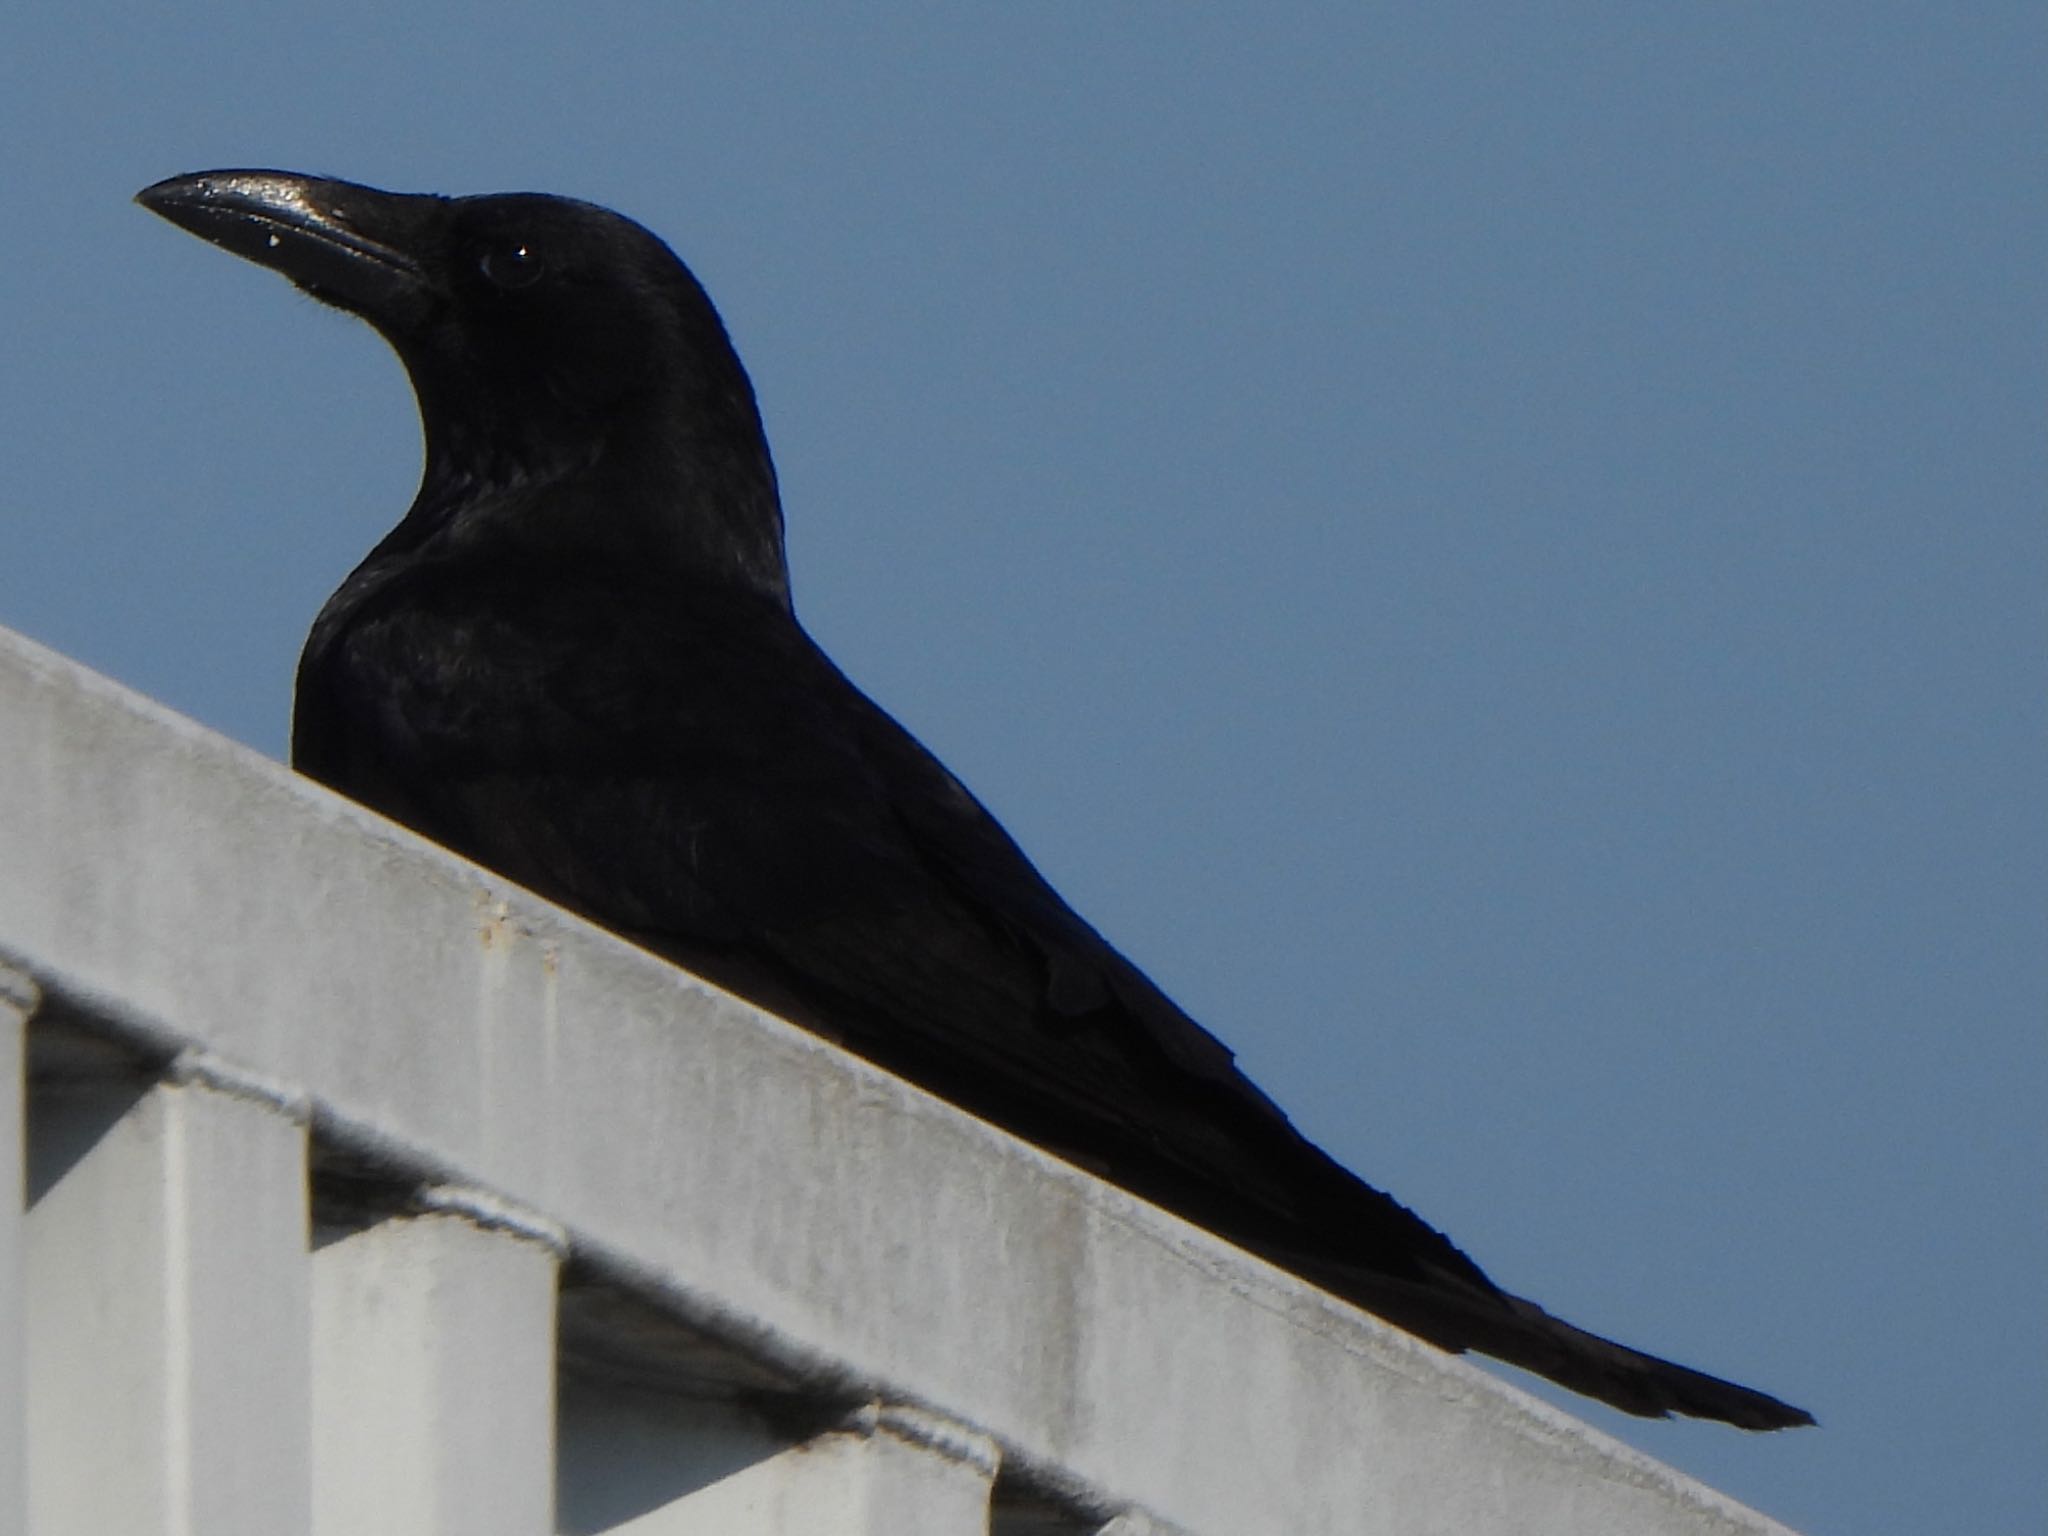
pixel 865 1240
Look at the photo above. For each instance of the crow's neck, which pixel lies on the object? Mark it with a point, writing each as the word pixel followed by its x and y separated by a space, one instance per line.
pixel 690 500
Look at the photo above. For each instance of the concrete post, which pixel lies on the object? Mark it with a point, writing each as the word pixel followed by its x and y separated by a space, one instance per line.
pixel 895 1470
pixel 433 1375
pixel 887 1471
pixel 167 1309
pixel 17 1001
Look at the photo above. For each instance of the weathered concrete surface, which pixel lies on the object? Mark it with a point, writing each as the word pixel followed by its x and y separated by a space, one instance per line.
pixel 433 1385
pixel 167 1314
pixel 17 997
pixel 759 1180
pixel 638 1464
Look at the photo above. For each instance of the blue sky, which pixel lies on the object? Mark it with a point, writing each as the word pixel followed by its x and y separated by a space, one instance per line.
pixel 1499 552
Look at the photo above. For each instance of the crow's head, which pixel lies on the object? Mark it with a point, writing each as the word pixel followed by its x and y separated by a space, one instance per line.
pixel 552 343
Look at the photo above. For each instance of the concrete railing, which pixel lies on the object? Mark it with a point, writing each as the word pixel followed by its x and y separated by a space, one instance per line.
pixel 366 1192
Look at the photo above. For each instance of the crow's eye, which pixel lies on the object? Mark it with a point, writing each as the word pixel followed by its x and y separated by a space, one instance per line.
pixel 512 265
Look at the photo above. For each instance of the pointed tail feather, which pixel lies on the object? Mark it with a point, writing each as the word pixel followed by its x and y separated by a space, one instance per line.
pixel 1459 1318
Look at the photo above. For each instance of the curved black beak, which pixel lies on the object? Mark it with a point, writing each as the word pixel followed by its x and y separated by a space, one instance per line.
pixel 352 246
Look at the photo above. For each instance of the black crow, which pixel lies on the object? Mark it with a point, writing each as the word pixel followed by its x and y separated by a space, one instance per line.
pixel 575 661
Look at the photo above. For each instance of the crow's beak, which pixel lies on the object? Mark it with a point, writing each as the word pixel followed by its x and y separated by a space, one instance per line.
pixel 350 246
